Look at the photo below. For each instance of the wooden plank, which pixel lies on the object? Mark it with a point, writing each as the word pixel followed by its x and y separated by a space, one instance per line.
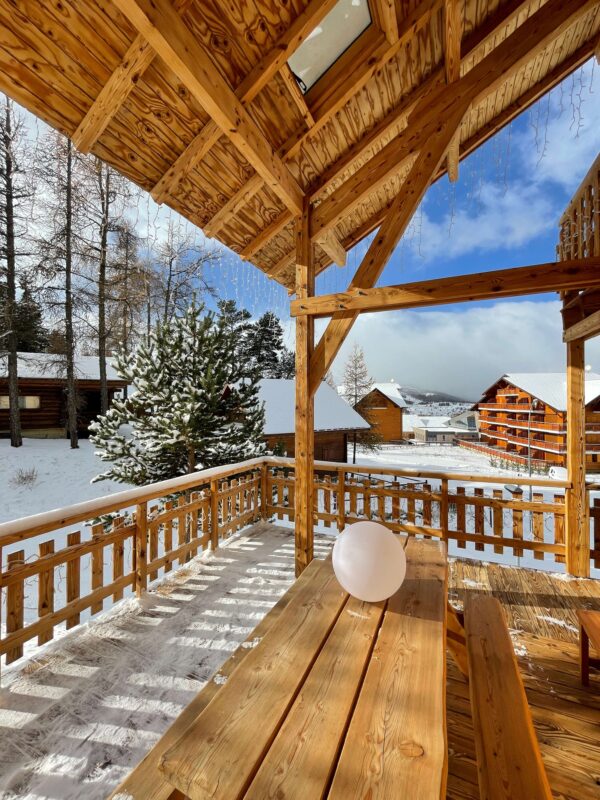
pixel 73 578
pixel 559 528
pixel 15 596
pixel 97 561
pixel 498 522
pixel 295 94
pixel 385 17
pixel 46 592
pixel 220 751
pixel 512 282
pixel 141 545
pixel 576 502
pixel 294 767
pixel 146 782
pixel 305 404
pixel 383 245
pixel 509 763
pixel 396 742
pixel 584 329
pixel 118 559
pixel 158 21
pixel 331 244
pixel 452 39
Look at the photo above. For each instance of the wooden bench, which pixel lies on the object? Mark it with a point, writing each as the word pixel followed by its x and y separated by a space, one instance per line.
pixel 589 630
pixel 509 763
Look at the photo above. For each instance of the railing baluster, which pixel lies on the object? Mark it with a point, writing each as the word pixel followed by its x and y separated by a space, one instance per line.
pixel 479 519
pixel 73 579
pixel 97 577
pixel 46 591
pixel 15 596
pixel 498 521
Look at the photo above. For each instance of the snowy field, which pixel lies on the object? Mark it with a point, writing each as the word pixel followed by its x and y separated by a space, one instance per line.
pixel 434 457
pixel 62 476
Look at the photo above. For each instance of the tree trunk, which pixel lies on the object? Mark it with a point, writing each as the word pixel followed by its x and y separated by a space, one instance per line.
pixel 14 413
pixel 104 185
pixel 191 460
pixel 69 338
pixel 354 448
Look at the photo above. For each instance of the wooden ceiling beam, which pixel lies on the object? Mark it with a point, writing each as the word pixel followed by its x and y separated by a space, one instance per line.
pixel 452 38
pixel 469 45
pixel 524 44
pixel 274 61
pixel 513 282
pixel 539 89
pixel 388 236
pixel 585 328
pixel 372 58
pixel 160 24
pixel 117 89
pixel 384 16
pixel 295 93
pixel 333 247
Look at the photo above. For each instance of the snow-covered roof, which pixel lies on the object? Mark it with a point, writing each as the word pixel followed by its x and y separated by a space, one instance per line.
pixel 551 387
pixel 50 367
pixel 332 413
pixel 392 391
pixel 434 422
pixel 410 422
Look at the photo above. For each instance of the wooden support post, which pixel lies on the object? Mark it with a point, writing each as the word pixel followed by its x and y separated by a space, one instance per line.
pixel 264 504
pixel 141 544
pixel 576 512
pixel 305 406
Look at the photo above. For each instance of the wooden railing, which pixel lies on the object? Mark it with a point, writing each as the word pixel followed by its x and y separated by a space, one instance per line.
pixel 453 506
pixel 126 540
pixel 579 234
pixel 60 567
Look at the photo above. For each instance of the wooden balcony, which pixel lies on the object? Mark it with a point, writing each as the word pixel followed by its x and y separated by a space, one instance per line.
pixel 523 408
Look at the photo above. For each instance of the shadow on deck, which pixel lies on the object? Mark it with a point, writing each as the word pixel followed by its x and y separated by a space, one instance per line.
pixel 85 711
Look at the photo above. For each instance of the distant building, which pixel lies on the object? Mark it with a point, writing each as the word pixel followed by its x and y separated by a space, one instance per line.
pixel 42 394
pixel 334 419
pixel 383 407
pixel 523 415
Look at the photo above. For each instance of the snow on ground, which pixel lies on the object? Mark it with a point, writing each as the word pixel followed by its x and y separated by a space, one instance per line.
pixel 433 457
pixel 76 719
pixel 63 476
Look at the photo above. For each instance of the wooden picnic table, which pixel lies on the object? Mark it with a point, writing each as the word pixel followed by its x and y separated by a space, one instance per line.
pixel 340 699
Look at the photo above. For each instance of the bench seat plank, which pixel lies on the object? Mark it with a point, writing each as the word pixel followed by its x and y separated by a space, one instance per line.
pixel 509 763
pixel 220 752
pixel 304 754
pixel 591 621
pixel 396 743
pixel 145 782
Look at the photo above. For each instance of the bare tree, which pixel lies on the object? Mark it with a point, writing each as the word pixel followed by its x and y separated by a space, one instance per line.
pixel 357 384
pixel 15 194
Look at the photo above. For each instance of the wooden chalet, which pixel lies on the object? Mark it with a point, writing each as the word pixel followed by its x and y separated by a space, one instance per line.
pixel 290 131
pixel 522 418
pixel 42 394
pixel 384 407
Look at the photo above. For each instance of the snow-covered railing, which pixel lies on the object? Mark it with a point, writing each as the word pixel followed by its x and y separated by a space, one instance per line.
pixel 490 515
pixel 126 539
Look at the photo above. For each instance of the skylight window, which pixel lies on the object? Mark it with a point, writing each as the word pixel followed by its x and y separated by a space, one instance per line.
pixel 326 43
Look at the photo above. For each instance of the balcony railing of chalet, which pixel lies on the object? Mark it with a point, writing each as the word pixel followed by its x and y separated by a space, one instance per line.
pixel 579 235
pixel 520 407
pixel 109 547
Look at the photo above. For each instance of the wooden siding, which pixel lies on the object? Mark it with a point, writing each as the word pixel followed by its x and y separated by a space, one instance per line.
pixel 383 414
pixel 49 418
pixel 329 445
pixel 504 425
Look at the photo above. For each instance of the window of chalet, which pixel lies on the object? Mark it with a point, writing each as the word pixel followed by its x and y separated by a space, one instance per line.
pixel 346 21
pixel 28 401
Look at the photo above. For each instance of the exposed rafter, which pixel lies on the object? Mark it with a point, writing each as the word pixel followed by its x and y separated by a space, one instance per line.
pixel 275 60
pixel 475 40
pixel 384 12
pixel 117 89
pixel 331 244
pixel 452 37
pixel 160 24
pixel 514 282
pixel 585 328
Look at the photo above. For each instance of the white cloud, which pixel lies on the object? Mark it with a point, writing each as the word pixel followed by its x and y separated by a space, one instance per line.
pixel 462 352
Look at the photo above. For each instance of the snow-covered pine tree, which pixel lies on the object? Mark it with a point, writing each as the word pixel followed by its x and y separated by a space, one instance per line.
pixel 194 404
pixel 265 345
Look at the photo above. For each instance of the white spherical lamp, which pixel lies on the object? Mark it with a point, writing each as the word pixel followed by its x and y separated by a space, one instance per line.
pixel 369 561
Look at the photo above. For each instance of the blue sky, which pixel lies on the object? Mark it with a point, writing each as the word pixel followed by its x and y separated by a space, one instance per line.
pixel 502 212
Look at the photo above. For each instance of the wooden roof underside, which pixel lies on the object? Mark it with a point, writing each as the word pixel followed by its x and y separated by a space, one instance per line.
pixel 108 74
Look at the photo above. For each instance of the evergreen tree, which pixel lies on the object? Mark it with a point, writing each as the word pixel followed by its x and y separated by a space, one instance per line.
pixel 194 405
pixel 237 322
pixel 32 335
pixel 287 364
pixel 266 345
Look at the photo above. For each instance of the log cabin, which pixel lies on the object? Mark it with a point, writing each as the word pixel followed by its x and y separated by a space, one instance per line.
pixel 335 420
pixel 42 397
pixel 384 407
pixel 522 416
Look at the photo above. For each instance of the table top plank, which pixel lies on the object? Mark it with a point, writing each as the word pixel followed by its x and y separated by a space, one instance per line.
pixel 591 622
pixel 220 752
pixel 305 751
pixel 396 743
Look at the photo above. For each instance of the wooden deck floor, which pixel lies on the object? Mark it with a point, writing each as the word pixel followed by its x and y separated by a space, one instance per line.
pixel 540 611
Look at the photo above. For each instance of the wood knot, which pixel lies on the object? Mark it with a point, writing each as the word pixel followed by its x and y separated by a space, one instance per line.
pixel 411 749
